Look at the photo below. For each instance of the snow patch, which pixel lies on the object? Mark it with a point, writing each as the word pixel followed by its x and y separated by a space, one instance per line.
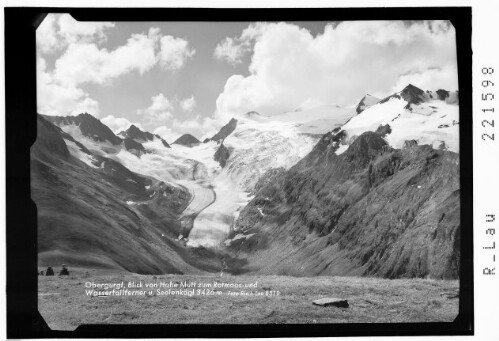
pixel 75 151
pixel 419 122
pixel 341 149
pixel 238 236
pixel 100 148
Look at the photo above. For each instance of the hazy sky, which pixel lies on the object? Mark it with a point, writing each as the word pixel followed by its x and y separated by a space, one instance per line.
pixel 177 77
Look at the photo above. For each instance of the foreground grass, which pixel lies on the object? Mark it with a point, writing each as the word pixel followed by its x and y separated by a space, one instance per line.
pixel 64 304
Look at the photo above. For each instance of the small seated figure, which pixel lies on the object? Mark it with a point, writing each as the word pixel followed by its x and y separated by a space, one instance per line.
pixel 64 271
pixel 49 271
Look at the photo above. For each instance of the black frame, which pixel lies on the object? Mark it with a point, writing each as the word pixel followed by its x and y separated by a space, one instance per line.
pixel 23 319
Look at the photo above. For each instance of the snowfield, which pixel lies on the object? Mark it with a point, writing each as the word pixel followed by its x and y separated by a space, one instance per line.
pixel 96 147
pixel 433 122
pixel 217 195
pixel 75 151
pixel 257 146
pixel 316 120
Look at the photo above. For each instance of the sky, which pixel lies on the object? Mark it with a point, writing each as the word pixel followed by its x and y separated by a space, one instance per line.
pixel 172 78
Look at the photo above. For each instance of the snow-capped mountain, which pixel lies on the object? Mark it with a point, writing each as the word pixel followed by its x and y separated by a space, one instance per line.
pixel 140 136
pixel 86 125
pixel 287 172
pixel 95 135
pixel 412 114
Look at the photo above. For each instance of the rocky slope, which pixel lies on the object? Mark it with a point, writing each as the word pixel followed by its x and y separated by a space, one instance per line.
pixel 94 212
pixel 372 210
pixel 225 131
pixel 222 155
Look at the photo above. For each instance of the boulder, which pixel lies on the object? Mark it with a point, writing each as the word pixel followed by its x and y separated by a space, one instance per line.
pixel 331 301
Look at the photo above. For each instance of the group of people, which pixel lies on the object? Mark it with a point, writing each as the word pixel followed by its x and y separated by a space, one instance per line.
pixel 50 272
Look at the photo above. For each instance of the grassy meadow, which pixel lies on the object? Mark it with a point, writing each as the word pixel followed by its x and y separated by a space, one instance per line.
pixel 64 303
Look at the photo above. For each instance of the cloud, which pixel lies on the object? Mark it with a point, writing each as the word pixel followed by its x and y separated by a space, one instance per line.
pixel 59 30
pixel 174 52
pixel 290 67
pixel 231 50
pixel 158 112
pixel 166 133
pixel 56 99
pixel 200 127
pixel 434 79
pixel 85 61
pixel 188 104
pixel 118 124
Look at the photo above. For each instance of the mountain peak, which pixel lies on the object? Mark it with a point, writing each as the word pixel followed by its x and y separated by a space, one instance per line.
pixel 187 140
pixel 134 132
pixel 412 94
pixel 411 87
pixel 133 127
pixel 89 125
pixel 87 116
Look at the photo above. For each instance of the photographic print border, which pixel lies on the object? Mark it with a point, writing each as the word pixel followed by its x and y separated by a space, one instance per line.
pixel 23 319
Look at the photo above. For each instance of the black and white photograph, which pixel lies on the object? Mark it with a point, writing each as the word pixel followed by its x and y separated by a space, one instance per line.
pixel 249 172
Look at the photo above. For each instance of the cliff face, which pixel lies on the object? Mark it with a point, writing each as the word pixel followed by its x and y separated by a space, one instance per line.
pixel 222 155
pixel 372 210
pixel 225 131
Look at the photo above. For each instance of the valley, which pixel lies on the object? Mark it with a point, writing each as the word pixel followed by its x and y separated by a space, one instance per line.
pixel 264 194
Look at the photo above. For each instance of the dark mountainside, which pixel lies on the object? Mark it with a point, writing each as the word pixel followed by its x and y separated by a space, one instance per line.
pixel 104 217
pixel 187 140
pixel 372 210
pixel 225 131
pixel 89 126
pixel 442 94
pixel 411 94
pixel 134 146
pixel 138 135
pixel 222 155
